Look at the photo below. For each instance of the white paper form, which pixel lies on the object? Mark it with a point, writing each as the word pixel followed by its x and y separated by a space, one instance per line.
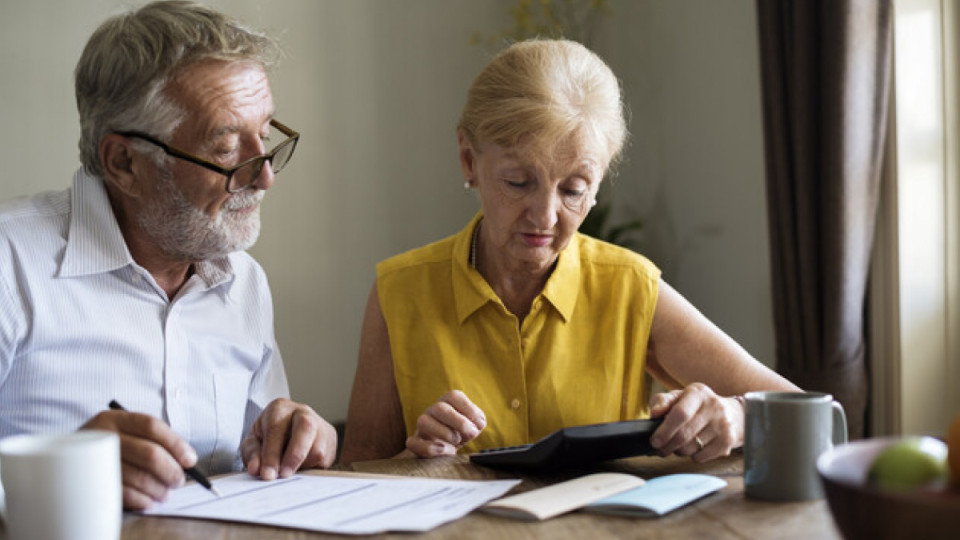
pixel 346 505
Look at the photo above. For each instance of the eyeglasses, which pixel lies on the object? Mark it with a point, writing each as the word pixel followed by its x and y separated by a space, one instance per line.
pixel 243 175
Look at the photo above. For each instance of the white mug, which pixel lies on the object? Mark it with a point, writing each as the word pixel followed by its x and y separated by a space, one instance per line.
pixel 60 487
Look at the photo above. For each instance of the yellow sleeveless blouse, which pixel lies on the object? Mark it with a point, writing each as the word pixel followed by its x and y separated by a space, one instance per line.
pixel 577 359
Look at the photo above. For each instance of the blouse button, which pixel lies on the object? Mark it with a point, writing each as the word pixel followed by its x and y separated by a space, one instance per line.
pixel 515 404
pixel 524 342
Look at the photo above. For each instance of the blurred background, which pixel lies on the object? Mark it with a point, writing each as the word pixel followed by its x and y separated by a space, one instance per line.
pixel 376 87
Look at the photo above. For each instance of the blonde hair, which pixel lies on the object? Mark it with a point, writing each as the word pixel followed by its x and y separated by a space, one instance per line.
pixel 125 67
pixel 543 92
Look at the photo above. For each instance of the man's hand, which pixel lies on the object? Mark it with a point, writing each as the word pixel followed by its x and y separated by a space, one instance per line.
pixel 286 437
pixel 445 426
pixel 152 456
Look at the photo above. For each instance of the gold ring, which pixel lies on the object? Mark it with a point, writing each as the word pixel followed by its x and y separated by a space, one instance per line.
pixel 699 443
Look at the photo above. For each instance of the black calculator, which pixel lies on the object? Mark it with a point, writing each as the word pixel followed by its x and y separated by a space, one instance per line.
pixel 575 446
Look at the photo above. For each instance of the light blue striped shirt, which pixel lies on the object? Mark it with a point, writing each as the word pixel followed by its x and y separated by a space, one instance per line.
pixel 81 323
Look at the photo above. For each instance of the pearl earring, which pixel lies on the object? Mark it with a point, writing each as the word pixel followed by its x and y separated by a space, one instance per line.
pixel 593 202
pixel 467 184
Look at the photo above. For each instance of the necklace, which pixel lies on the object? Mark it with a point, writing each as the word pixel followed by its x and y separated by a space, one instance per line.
pixel 473 245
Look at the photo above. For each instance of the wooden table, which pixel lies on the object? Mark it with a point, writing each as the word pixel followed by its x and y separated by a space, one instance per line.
pixel 724 515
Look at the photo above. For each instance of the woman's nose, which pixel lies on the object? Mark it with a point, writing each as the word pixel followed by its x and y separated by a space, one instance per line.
pixel 543 208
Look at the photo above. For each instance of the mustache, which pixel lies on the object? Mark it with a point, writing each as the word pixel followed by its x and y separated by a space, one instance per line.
pixel 244 199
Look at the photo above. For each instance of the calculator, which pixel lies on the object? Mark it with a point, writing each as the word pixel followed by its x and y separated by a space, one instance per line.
pixel 575 446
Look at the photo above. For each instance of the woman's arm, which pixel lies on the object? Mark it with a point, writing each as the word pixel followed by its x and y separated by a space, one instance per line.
pixel 375 428
pixel 705 368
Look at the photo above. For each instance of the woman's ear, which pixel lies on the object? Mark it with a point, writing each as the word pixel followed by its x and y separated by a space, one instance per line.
pixel 467 158
pixel 117 157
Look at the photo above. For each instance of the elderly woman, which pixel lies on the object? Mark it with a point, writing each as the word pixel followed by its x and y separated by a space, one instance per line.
pixel 519 325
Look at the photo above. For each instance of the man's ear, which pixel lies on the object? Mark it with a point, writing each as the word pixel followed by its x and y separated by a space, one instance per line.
pixel 119 168
pixel 467 158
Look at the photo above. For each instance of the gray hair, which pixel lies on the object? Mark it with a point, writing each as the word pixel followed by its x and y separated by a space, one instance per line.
pixel 129 60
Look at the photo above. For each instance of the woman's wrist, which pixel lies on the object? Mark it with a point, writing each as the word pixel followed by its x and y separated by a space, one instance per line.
pixel 742 401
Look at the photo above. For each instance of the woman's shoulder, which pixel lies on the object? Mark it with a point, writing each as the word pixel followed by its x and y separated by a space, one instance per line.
pixel 604 256
pixel 439 252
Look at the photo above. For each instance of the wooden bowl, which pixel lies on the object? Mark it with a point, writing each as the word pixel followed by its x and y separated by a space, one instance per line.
pixel 868 512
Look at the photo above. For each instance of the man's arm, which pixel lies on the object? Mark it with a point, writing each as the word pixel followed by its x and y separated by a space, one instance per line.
pixel 283 436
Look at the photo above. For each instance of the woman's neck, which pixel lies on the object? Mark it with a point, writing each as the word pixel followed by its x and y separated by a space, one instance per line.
pixel 517 285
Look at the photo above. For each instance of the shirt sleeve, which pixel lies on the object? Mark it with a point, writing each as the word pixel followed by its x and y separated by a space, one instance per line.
pixel 12 323
pixel 269 382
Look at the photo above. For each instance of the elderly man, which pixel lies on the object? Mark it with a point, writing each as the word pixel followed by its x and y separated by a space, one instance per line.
pixel 134 285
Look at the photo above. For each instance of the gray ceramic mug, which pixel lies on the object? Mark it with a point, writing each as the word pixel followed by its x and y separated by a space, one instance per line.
pixel 785 433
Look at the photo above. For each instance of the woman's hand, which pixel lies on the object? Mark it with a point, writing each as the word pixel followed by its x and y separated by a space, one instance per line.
pixel 697 423
pixel 446 425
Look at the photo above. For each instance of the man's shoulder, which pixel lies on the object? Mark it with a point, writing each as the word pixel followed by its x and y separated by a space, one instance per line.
pixel 33 207
pixel 26 220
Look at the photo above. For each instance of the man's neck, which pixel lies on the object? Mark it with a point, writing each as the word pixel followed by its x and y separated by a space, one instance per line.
pixel 169 275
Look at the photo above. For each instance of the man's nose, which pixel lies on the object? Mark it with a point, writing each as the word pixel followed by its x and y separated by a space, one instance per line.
pixel 266 178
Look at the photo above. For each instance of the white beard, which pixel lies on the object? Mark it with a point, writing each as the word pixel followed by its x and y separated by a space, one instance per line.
pixel 183 232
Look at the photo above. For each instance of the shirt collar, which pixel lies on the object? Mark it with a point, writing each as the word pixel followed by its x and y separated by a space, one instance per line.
pixel 95 244
pixel 471 291
pixel 563 286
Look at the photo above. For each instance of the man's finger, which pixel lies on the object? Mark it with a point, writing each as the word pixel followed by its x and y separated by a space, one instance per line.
pixel 143 483
pixel 275 433
pixel 153 429
pixel 303 437
pixel 250 450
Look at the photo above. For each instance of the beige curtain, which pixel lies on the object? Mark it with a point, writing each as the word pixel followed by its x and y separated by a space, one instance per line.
pixel 825 70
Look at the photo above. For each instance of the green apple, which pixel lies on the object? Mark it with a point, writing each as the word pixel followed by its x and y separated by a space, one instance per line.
pixel 910 462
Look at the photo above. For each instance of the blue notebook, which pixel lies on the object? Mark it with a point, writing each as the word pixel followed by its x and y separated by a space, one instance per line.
pixel 658 496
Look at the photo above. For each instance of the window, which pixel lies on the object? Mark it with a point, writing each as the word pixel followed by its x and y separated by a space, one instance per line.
pixel 915 335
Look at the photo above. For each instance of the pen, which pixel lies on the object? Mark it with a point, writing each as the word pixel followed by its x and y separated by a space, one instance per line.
pixel 192 472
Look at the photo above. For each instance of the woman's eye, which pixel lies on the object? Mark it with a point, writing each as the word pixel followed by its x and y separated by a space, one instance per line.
pixel 574 192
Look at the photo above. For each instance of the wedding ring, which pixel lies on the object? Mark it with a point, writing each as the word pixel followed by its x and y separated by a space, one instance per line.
pixel 699 443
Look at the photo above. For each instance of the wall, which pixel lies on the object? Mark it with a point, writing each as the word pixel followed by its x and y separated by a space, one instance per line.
pixel 375 87
pixel 695 171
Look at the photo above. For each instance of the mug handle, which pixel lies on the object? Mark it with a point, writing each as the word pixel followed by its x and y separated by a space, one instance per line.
pixel 839 423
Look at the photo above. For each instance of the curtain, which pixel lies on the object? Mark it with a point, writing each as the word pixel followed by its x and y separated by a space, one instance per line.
pixel 825 73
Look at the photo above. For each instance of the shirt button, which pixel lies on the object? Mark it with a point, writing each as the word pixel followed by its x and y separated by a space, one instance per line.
pixel 524 342
pixel 515 404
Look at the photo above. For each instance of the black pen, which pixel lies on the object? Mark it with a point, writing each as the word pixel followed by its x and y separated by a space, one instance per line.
pixel 192 472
